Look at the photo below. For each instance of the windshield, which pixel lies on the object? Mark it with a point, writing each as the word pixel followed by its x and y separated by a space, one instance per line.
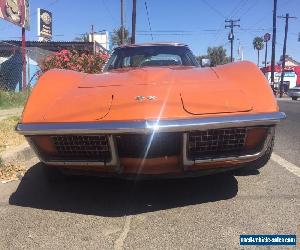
pixel 151 56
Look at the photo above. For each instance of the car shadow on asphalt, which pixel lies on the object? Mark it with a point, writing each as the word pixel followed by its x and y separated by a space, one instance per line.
pixel 113 197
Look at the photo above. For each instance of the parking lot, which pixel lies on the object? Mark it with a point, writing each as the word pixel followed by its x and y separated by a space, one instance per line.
pixel 197 213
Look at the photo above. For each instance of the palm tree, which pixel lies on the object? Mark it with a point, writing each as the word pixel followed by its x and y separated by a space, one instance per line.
pixel 116 37
pixel 258 44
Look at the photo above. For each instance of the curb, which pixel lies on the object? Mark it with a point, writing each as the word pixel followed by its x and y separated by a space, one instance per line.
pixel 17 155
pixel 6 113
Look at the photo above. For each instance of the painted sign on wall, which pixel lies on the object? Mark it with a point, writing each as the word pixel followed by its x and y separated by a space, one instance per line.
pixel 286 74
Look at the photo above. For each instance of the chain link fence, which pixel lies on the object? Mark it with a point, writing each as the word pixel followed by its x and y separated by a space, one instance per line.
pixel 11 66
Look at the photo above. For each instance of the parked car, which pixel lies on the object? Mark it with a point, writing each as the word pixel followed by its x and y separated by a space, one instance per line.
pixel 152 113
pixel 294 93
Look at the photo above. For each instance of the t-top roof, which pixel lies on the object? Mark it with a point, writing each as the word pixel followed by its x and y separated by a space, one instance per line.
pixel 152 44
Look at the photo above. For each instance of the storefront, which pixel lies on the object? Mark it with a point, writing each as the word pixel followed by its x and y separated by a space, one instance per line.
pixel 291 76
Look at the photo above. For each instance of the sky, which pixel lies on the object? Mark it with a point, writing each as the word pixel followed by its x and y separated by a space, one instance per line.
pixel 198 23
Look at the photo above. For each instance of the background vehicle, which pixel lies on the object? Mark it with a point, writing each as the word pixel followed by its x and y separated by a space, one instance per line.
pixel 294 93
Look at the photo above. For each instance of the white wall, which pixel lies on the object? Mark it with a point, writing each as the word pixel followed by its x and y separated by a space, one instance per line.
pixel 102 38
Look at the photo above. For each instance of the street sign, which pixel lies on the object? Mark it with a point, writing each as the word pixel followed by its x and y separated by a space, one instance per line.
pixel 16 12
pixel 44 24
pixel 267 37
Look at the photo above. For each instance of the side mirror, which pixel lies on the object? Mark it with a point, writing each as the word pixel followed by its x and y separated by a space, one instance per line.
pixel 205 62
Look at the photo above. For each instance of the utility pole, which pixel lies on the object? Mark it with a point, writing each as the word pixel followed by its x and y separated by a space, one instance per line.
pixel 93 40
pixel 231 35
pixel 273 44
pixel 122 22
pixel 267 38
pixel 266 53
pixel 133 21
pixel 286 17
pixel 24 80
pixel 240 51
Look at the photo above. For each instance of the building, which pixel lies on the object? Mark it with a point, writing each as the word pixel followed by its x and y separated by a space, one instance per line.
pixel 101 38
pixel 291 75
pixel 289 61
pixel 86 47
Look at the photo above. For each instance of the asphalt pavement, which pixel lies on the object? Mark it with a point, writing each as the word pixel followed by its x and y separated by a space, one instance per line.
pixel 199 213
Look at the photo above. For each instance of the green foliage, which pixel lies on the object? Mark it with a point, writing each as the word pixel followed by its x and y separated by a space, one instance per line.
pixel 217 56
pixel 9 99
pixel 258 44
pixel 199 58
pixel 116 37
pixel 83 37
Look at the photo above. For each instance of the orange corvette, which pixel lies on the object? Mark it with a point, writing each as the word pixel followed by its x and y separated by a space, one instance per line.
pixel 153 112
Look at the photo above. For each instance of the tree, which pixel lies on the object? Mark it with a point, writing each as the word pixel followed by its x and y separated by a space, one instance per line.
pixel 217 55
pixel 258 44
pixel 199 58
pixel 83 37
pixel 116 37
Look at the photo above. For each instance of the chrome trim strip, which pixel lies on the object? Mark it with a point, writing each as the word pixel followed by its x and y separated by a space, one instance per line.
pixel 187 162
pixel 150 126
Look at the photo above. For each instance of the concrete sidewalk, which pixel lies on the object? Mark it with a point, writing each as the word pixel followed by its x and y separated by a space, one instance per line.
pixel 5 113
pixel 17 154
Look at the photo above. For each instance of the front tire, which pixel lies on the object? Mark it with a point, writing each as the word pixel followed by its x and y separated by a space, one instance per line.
pixel 258 163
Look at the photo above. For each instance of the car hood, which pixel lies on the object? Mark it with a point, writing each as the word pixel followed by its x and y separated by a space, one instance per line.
pixel 148 93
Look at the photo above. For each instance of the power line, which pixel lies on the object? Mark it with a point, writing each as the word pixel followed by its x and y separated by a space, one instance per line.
pixel 250 8
pixel 230 13
pixel 238 8
pixel 109 12
pixel 199 31
pixel 166 31
pixel 50 4
pixel 213 8
pixel 149 23
pixel 160 34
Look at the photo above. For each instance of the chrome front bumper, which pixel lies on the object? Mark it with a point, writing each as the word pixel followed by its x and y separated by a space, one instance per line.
pixel 179 125
pixel 111 128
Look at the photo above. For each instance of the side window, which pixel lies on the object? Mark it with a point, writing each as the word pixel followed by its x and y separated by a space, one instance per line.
pixel 132 61
pixel 136 60
pixel 111 64
pixel 191 59
pixel 126 62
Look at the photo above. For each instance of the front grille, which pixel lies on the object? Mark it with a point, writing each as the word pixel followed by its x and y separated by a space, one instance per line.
pixel 82 147
pixel 215 143
pixel 148 146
